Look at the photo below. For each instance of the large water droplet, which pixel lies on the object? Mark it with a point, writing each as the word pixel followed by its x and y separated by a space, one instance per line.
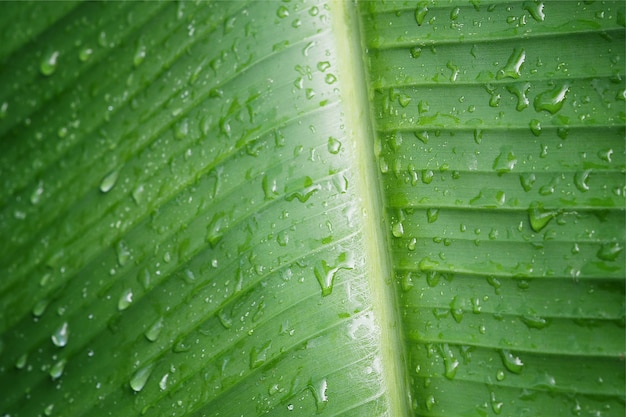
pixel 432 214
pixel 551 100
pixel 125 300
pixel 397 229
pixel 520 92
pixel 610 251
pixel 57 369
pixel 109 180
pixel 318 389
pixel 535 8
pixel 215 229
pixel 139 379
pixel 326 273
pixel 49 63
pixel 513 66
pixel 60 336
pixel 451 364
pixel 504 162
pixel 580 180
pixel 258 356
pixel 334 145
pixel 420 12
pixel 539 216
pixel 153 332
pixel 511 362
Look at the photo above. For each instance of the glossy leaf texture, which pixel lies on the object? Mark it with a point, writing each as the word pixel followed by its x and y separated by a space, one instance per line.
pixel 312 208
pixel 501 151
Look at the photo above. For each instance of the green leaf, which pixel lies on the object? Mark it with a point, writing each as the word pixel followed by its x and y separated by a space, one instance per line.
pixel 312 208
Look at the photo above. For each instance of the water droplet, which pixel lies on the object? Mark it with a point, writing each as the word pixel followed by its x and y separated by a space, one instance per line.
pixel 420 12
pixel 610 251
pixel 40 307
pixel 60 336
pixel 330 79
pixel 427 176
pixel 3 110
pixel 48 410
pixel 258 356
pixel 412 244
pixel 551 100
pixel 153 332
pixel 535 8
pixel 225 319
pixel 109 180
pixel 496 405
pixel 318 389
pixel 511 362
pixel 140 54
pixel 535 127
pixel 397 229
pixel 334 145
pixel 125 300
pixel 85 54
pixel 520 91
pixel 304 195
pixel 456 309
pixel 57 369
pixel 139 379
pixel 215 229
pixel 450 362
pixel 504 162
pixel 535 322
pixel 20 363
pixel 422 136
pixel 49 63
pixel 163 382
pixel 500 375
pixel 181 129
pixel 282 12
pixel 432 214
pixel 123 253
pixel 580 180
pixel 430 402
pixel 35 196
pixel 326 273
pixel 513 66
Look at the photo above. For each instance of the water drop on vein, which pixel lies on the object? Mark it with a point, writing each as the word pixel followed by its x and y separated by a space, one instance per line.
pixel 125 300
pixel 109 180
pixel 49 63
pixel 56 371
pixel 60 336
pixel 139 378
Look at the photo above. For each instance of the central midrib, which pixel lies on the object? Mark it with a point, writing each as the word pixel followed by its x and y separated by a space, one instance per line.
pixel 360 134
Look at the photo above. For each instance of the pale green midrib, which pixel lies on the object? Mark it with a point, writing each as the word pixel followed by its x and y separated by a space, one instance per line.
pixel 360 132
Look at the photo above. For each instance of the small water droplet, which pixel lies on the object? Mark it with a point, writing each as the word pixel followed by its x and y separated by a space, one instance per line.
pixel 109 180
pixel 225 319
pixel 35 196
pixel 430 402
pixel 57 369
pixel 85 54
pixel 535 322
pixel 181 129
pixel 500 375
pixel 422 136
pixel 60 336
pixel 123 253
pixel 163 382
pixel 20 363
pixel 140 54
pixel 138 194
pixel 49 63
pixel 412 244
pixel 496 405
pixel 334 145
pixel 125 300
pixel 420 12
pixel 139 379
pixel 40 307
pixel 3 110
pixel 504 162
pixel 427 176
pixel 48 410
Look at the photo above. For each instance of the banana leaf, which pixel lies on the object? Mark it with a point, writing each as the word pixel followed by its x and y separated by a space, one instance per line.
pixel 309 208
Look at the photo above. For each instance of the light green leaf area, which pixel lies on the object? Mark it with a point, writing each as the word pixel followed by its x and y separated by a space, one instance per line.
pixel 312 208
